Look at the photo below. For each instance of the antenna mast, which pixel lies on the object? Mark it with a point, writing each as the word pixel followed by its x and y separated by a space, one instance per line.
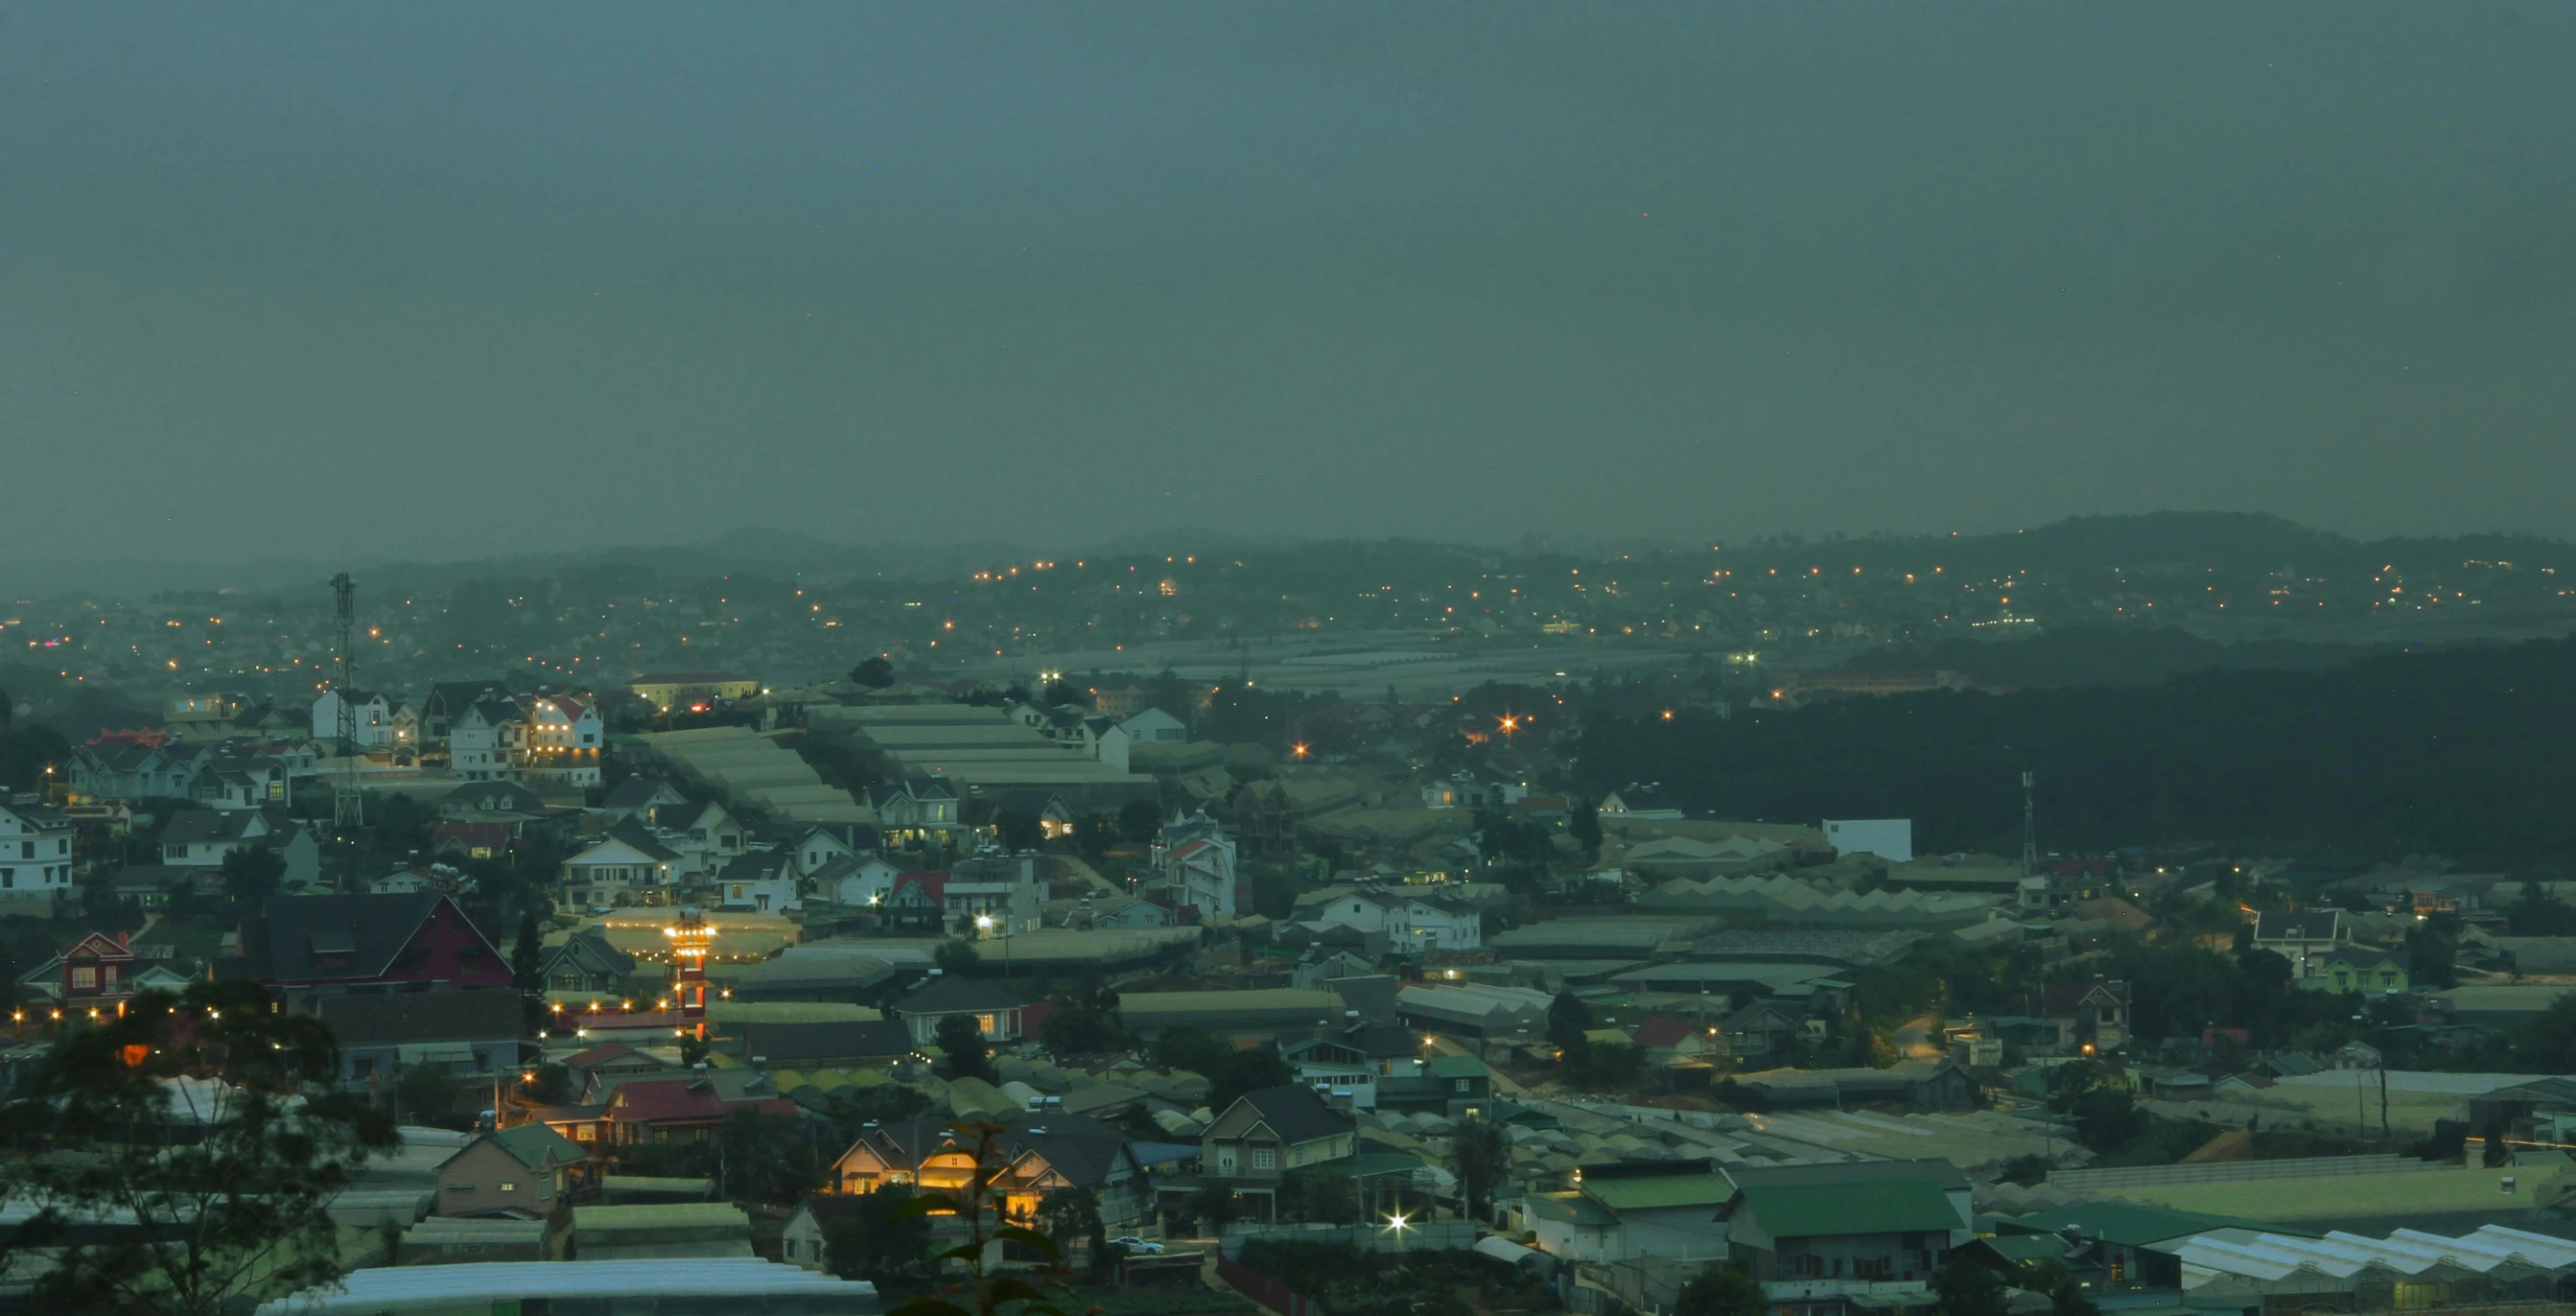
pixel 348 806
pixel 2029 831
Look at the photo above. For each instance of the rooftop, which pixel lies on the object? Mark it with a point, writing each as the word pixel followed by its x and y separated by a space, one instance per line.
pixel 1809 1210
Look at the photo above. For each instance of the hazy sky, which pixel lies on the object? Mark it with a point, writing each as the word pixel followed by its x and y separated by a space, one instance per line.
pixel 488 278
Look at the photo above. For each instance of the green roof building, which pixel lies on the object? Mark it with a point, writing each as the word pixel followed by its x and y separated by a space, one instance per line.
pixel 1833 1231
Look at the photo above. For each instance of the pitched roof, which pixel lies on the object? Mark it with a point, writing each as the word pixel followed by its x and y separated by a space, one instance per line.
pixel 2306 925
pixel 1296 1114
pixel 635 793
pixel 1809 1210
pixel 467 1015
pixel 632 834
pixel 535 1146
pixel 1660 1030
pixel 1082 1149
pixel 688 1098
pixel 603 1053
pixel 202 826
pixel 374 929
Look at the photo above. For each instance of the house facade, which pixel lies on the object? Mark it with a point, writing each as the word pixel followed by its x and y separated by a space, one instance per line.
pixel 624 868
pixel 309 946
pixel 1265 1134
pixel 1193 861
pixel 521 1172
pixel 35 859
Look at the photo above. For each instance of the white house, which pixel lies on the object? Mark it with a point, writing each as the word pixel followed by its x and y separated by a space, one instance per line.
pixel 1154 727
pixel 1195 859
pixel 760 882
pixel 851 881
pixel 482 740
pixel 824 842
pixel 559 741
pixel 626 867
pixel 706 842
pixel 372 724
pixel 35 859
pixel 1412 923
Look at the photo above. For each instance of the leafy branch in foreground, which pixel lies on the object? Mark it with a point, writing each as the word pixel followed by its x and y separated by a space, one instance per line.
pixel 205 1132
pixel 982 1209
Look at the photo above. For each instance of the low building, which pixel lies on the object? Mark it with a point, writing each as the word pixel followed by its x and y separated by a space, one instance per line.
pixel 856 1044
pixel 736 1285
pixel 2304 938
pixel 2370 970
pixel 1042 1152
pixel 660 1233
pixel 1266 1134
pixel 1812 1233
pixel 668 690
pixel 524 1171
pixel 468 1032
pixel 998 1011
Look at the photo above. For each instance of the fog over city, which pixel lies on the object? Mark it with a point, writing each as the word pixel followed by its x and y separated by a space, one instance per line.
pixel 280 280
pixel 1319 659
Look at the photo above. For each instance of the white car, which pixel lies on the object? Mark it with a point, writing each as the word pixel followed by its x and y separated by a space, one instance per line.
pixel 1137 1245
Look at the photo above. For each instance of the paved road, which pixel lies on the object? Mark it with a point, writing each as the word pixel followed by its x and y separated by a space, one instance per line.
pixel 1920 1039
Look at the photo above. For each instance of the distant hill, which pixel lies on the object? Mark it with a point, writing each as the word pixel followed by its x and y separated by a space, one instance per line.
pixel 2228 542
pixel 2102 656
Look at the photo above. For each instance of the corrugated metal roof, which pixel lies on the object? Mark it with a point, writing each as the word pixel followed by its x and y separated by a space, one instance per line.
pixel 1810 1210
pixel 2405 1252
pixel 1574 1208
pixel 439 1288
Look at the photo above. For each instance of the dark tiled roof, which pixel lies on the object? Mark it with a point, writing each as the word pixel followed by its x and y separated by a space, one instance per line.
pixel 280 943
pixel 951 994
pixel 1082 1149
pixel 390 1018
pixel 198 826
pixel 754 866
pixel 1296 1114
pixel 786 1044
pixel 633 833
pixel 588 951
pixel 634 793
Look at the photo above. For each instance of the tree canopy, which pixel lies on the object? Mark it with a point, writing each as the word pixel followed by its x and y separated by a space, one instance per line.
pixel 237 1207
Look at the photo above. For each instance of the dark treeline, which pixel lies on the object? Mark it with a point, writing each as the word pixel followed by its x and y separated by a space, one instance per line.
pixel 2460 752
pixel 2102 655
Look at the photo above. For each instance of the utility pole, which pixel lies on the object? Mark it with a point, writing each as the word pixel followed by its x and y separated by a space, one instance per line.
pixel 348 805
